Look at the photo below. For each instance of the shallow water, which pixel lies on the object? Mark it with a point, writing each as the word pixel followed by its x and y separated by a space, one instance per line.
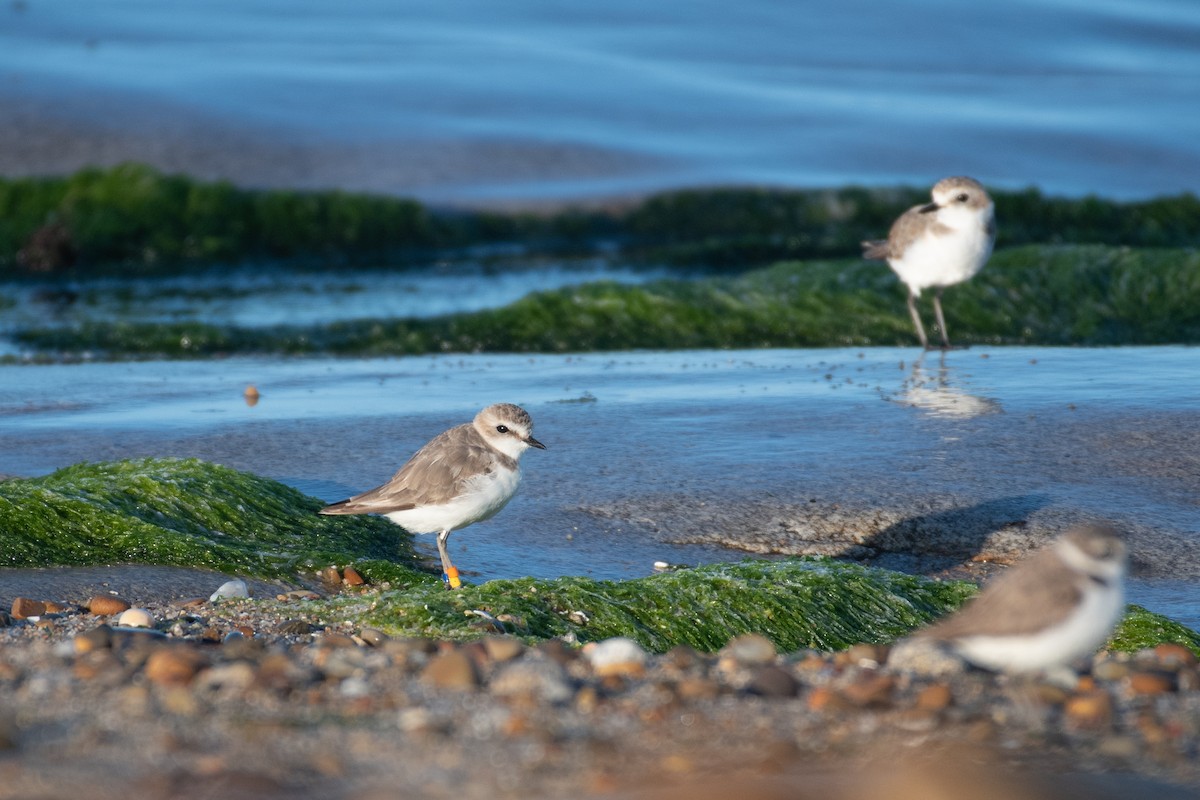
pixel 479 100
pixel 1110 432
pixel 268 296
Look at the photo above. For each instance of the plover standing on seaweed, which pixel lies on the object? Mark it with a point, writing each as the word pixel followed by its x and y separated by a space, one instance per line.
pixel 939 244
pixel 462 476
pixel 1056 606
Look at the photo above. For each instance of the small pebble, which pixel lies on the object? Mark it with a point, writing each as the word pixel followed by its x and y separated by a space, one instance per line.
pixel 870 689
pixel 503 648
pixel 1149 683
pixel 533 680
pixel 867 655
pixel 1047 694
pixel 173 665
pixel 824 699
pixel 97 638
pixel 935 697
pixel 1111 670
pixel 749 649
pixel 772 681
pixel 103 605
pixel 374 637
pixel 178 700
pixel 236 675
pixel 1173 655
pixel 352 577
pixel 453 670
pixel 925 657
pixel 294 627
pixel 696 688
pixel 1090 710
pixel 24 608
pixel 557 650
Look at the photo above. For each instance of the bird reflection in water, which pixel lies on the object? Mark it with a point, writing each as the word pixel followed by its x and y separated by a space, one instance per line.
pixel 932 389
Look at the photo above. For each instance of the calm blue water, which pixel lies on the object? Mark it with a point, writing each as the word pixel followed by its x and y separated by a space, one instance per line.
pixel 485 100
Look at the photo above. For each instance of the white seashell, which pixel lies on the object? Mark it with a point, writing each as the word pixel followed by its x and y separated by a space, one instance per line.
pixel 135 618
pixel 234 588
pixel 618 650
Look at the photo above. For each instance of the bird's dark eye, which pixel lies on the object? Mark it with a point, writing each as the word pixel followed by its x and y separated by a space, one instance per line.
pixel 962 198
pixel 502 429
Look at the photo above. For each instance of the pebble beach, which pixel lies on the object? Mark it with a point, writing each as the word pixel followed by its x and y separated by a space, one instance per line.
pixel 200 697
pixel 278 696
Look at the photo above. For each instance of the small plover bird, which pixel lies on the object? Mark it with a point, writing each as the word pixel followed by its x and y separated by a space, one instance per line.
pixel 939 244
pixel 464 475
pixel 1056 606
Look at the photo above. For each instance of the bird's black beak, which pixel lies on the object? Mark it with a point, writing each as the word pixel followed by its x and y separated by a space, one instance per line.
pixel 929 209
pixel 532 442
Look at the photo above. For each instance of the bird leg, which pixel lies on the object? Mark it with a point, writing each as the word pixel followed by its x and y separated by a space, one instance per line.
pixel 449 571
pixel 941 321
pixel 916 318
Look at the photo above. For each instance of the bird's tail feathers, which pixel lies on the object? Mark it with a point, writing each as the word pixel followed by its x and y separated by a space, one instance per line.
pixel 342 507
pixel 877 249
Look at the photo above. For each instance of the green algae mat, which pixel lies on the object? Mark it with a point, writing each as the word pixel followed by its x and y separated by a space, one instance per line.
pixel 816 603
pixel 809 602
pixel 185 512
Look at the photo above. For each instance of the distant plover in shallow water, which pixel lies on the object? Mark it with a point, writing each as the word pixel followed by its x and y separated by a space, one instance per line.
pixel 1056 606
pixel 939 244
pixel 464 475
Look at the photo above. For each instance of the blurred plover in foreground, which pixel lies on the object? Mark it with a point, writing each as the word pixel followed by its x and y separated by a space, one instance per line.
pixel 939 244
pixel 1058 605
pixel 464 475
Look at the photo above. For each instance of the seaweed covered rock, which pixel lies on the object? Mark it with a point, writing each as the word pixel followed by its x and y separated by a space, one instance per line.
pixel 182 512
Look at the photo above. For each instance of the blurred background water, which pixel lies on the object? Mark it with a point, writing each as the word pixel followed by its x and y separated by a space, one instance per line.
pixel 536 100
